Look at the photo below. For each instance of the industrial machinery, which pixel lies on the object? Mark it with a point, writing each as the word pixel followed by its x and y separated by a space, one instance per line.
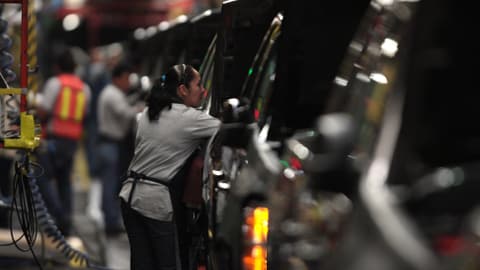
pixel 19 131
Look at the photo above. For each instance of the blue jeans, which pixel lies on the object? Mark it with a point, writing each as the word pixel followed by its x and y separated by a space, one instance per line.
pixel 91 144
pixel 108 160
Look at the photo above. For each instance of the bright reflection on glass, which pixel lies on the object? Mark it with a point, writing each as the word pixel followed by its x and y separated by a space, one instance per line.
pixel 223 185
pixel 145 82
pixel 362 77
pixel 377 174
pixel 389 47
pixel 71 22
pixel 340 81
pixel 163 26
pixel 441 179
pixel 139 34
pixel 217 172
pixel 263 135
pixel 356 46
pixel 234 102
pixel 289 173
pixel 299 149
pixel 379 78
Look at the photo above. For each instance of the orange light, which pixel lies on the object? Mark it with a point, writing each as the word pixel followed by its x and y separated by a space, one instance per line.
pixel 260 225
pixel 256 259
pixel 255 253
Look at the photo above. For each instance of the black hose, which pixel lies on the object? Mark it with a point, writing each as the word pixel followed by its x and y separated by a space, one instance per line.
pixel 32 214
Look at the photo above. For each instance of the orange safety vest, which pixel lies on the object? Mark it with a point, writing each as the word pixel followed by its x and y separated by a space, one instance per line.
pixel 69 109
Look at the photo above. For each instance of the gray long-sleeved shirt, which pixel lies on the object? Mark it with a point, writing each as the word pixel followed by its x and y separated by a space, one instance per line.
pixel 161 149
pixel 115 114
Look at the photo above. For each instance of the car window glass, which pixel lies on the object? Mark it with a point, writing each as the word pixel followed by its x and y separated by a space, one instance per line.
pixel 206 71
pixel 367 75
pixel 261 101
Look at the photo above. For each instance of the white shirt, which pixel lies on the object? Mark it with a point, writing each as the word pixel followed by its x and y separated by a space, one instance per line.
pixel 115 114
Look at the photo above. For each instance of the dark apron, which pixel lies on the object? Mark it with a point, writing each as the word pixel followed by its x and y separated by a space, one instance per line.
pixel 176 188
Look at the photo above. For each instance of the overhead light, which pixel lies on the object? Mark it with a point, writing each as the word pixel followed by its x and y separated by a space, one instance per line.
pixel 139 33
pixel 385 2
pixel 71 22
pixel 152 30
pixel 163 25
pixel 182 18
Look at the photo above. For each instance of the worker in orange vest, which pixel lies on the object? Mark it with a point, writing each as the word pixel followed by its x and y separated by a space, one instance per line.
pixel 62 108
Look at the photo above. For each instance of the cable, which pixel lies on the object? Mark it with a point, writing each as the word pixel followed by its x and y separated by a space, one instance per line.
pixel 32 214
pixel 23 206
pixel 48 225
pixel 9 116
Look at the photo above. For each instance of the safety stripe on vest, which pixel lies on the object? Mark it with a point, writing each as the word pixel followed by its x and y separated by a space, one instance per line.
pixel 79 107
pixel 65 103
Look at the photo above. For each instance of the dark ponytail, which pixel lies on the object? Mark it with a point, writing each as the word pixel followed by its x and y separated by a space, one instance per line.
pixel 164 89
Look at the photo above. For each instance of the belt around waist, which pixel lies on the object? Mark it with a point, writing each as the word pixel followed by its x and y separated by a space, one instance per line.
pixel 105 138
pixel 137 176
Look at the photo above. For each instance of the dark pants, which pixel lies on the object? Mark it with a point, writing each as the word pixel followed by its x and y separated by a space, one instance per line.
pixel 55 184
pixel 152 242
pixel 151 238
pixel 5 188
